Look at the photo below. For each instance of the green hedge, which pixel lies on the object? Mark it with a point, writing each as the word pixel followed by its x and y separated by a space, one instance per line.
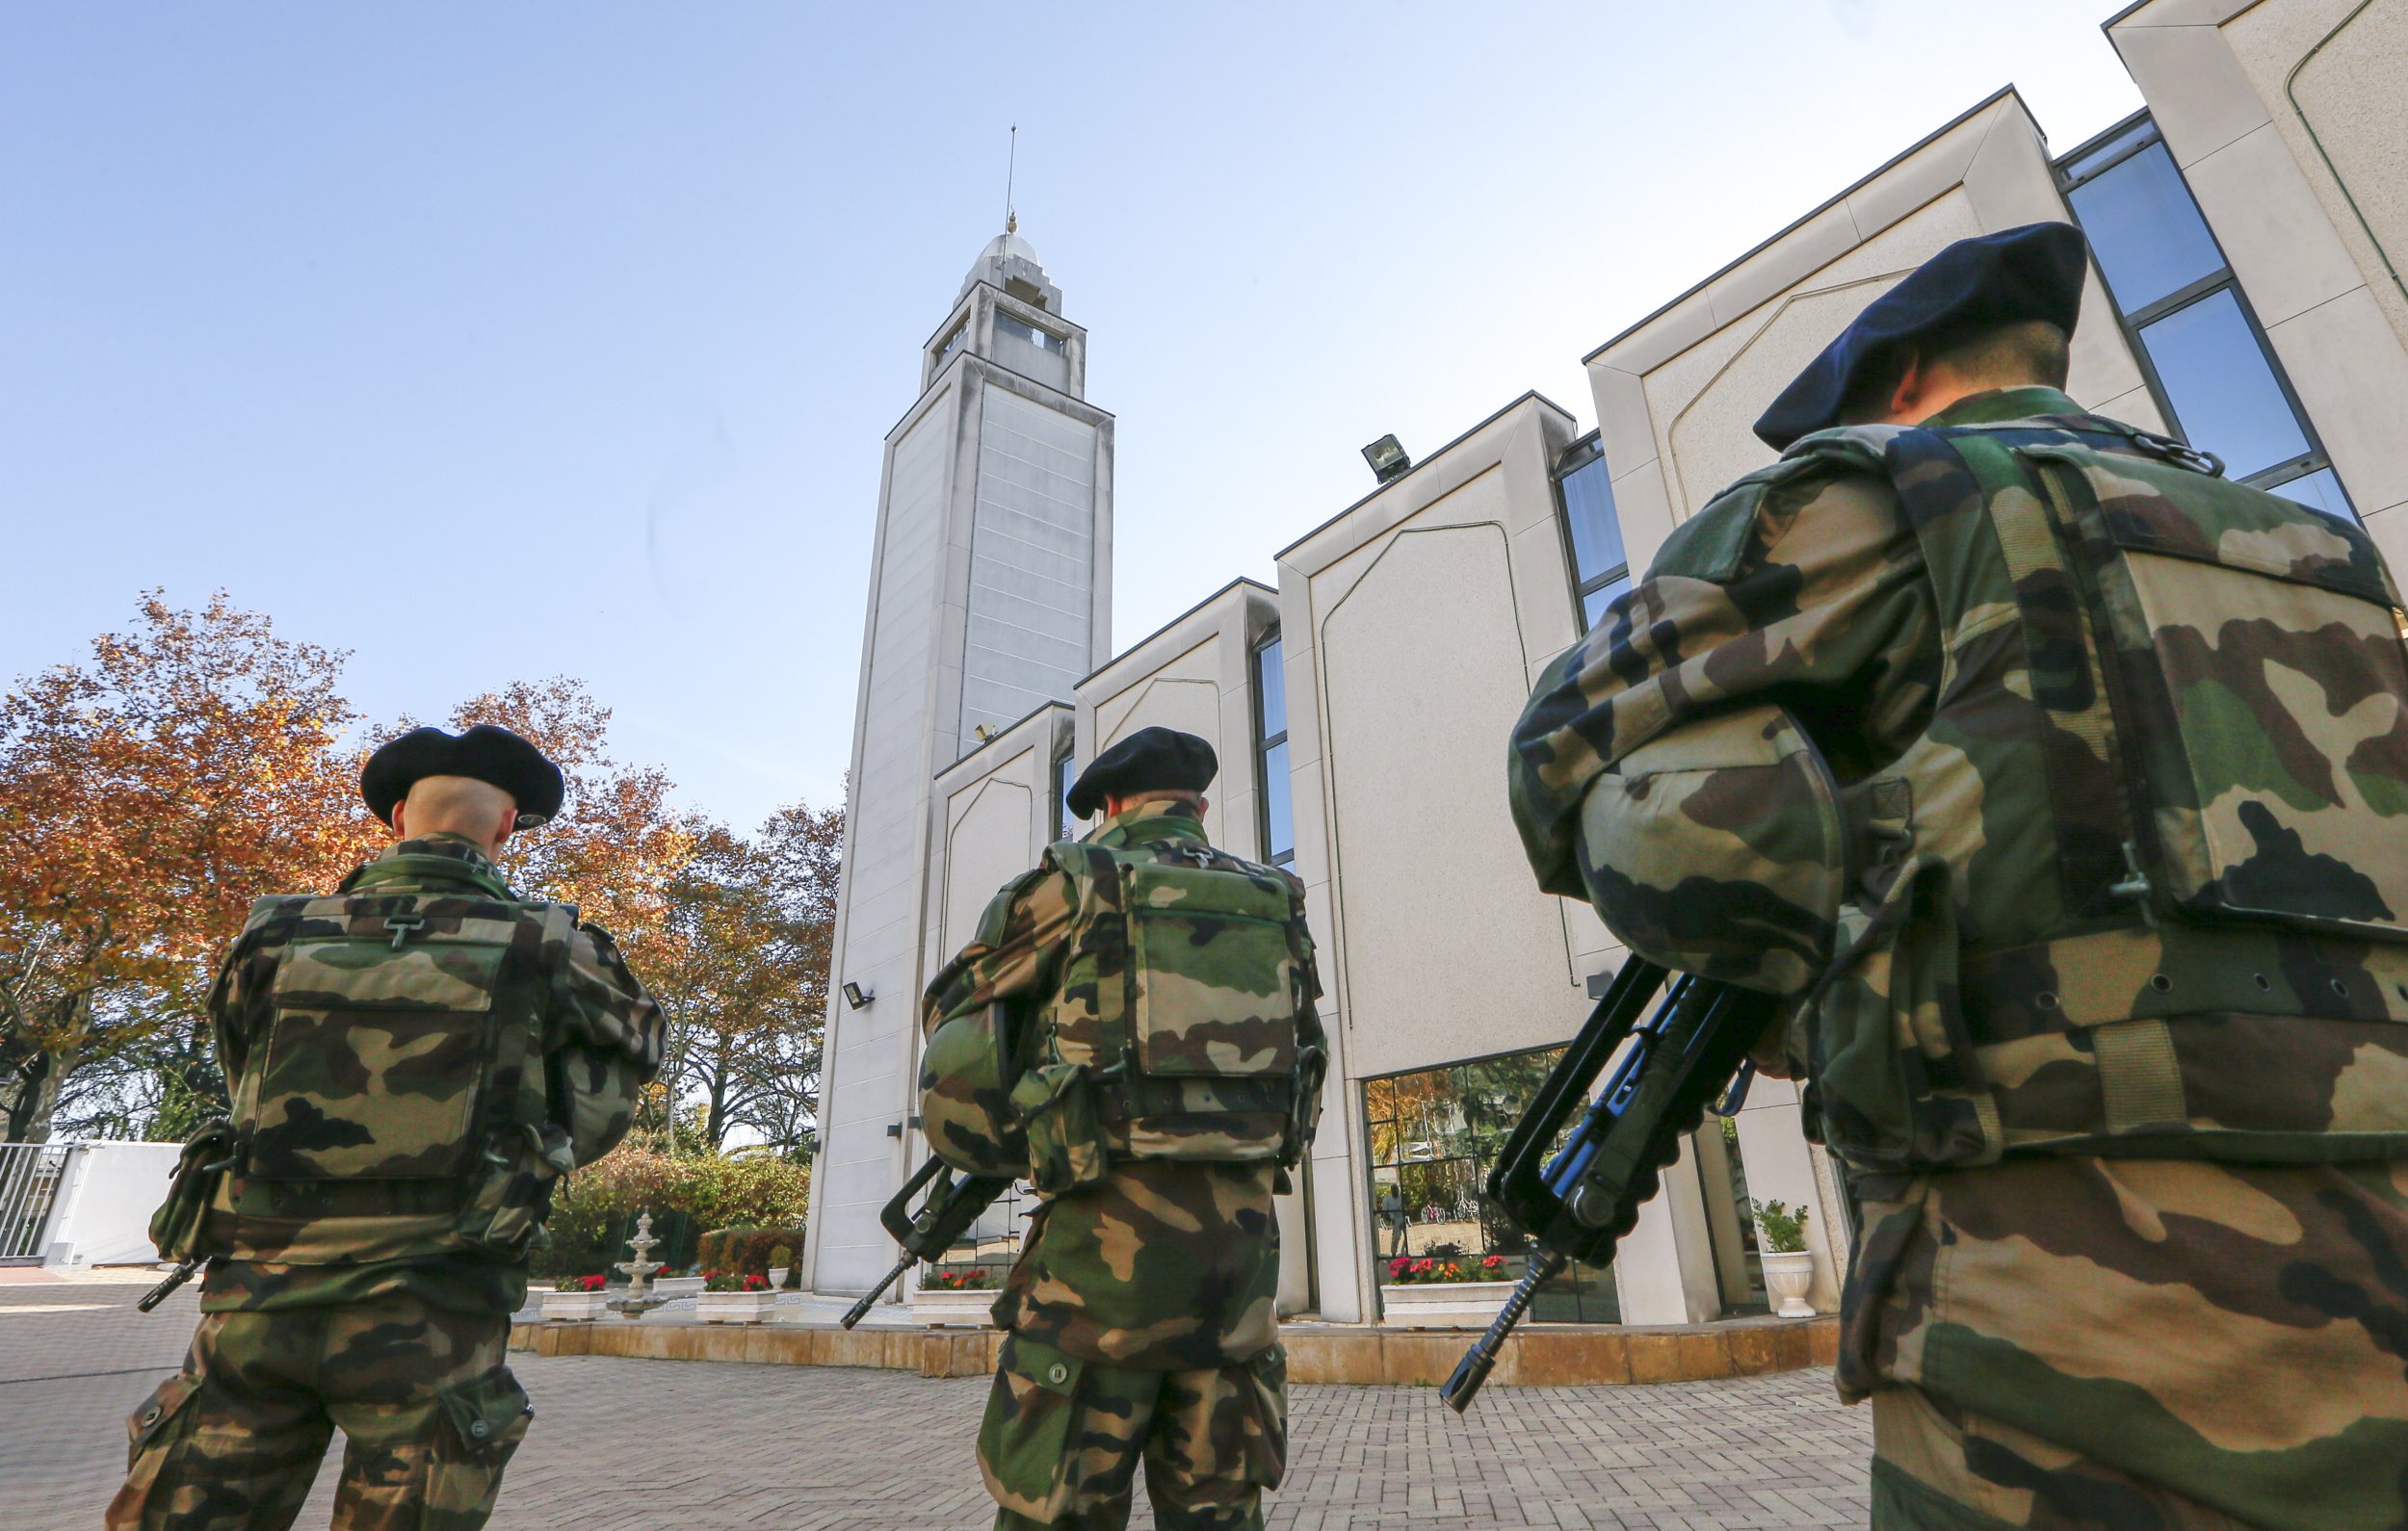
pixel 595 1207
pixel 744 1250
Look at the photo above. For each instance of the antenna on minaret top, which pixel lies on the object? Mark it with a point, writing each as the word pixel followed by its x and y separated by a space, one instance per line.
pixel 1011 167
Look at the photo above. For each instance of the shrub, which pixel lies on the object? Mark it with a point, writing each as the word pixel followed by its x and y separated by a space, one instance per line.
pixel 728 1281
pixel 714 1191
pixel 578 1284
pixel 752 1250
pixel 1785 1231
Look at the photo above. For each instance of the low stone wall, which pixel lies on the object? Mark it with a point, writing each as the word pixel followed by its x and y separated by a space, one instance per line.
pixel 1543 1356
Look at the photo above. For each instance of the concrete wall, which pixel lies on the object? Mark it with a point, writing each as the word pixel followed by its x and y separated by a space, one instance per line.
pixel 876 941
pixel 2221 77
pixel 1413 626
pixel 102 1213
pixel 1677 393
pixel 1195 674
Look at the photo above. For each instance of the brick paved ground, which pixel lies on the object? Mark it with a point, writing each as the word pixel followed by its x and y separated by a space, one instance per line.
pixel 690 1446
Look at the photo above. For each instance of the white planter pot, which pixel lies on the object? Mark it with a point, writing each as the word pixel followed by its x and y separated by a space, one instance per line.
pixel 940 1306
pixel 669 1286
pixel 777 1277
pixel 1787 1277
pixel 735 1307
pixel 574 1307
pixel 1442 1305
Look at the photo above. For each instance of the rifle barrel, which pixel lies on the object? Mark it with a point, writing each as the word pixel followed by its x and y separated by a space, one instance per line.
pixel 1481 1358
pixel 861 1309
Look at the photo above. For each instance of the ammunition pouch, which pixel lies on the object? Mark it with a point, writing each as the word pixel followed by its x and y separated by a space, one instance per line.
pixel 508 1201
pixel 175 1228
pixel 1304 1106
pixel 1066 1143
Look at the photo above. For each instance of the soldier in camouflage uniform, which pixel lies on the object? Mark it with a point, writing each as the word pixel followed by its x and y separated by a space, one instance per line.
pixel 413 1063
pixel 1133 1029
pixel 2063 784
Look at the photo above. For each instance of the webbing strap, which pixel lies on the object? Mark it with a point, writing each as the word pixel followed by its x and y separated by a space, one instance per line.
pixel 2139 1076
pixel 2048 596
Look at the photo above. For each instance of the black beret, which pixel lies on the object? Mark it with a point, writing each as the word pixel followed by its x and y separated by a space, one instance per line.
pixel 485 753
pixel 1151 760
pixel 2034 272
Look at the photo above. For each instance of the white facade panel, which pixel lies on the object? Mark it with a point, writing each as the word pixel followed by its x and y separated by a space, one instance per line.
pixel 869 1047
pixel 1031 562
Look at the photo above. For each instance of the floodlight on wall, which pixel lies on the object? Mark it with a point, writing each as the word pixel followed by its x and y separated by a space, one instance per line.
pixel 856 996
pixel 1388 459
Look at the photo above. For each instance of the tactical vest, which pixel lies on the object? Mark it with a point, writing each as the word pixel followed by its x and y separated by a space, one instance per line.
pixel 1178 1010
pixel 393 1100
pixel 2141 885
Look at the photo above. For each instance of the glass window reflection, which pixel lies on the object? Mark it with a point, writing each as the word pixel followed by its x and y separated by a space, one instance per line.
pixel 2145 229
pixel 1589 513
pixel 1434 1135
pixel 2215 375
pixel 1272 676
pixel 2321 490
pixel 1593 605
pixel 1279 820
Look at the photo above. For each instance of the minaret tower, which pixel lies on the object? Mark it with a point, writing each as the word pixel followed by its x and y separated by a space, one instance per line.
pixel 990 595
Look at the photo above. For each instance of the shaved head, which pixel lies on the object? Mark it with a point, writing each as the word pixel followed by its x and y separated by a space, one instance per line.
pixel 457 805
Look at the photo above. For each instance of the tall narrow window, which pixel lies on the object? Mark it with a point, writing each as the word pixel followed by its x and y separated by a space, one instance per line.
pixel 1270 731
pixel 1592 535
pixel 1066 774
pixel 2207 360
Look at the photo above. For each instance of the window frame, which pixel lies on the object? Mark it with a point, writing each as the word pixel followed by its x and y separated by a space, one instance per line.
pixel 1580 454
pixel 2273 477
pixel 1062 767
pixel 1264 745
pixel 1038 335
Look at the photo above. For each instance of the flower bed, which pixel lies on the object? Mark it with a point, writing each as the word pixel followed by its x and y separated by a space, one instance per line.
pixel 956 1294
pixel 1426 1292
pixel 1408 1270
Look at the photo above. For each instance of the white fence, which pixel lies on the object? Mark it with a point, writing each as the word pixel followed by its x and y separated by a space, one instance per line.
pixel 81 1203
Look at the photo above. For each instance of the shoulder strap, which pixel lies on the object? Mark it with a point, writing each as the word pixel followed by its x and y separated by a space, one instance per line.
pixel 1996 563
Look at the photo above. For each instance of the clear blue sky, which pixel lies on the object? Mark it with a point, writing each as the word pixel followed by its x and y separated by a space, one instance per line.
pixel 502 341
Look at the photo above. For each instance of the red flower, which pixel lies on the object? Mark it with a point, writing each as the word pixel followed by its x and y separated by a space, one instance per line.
pixel 1493 1262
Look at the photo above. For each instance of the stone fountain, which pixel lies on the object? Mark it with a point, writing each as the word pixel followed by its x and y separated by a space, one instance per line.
pixel 641 1298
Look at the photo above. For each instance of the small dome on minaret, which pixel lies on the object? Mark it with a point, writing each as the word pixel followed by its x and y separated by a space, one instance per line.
pixel 1009 262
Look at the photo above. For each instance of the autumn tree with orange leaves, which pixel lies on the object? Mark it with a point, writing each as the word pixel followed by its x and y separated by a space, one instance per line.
pixel 202 760
pixel 146 796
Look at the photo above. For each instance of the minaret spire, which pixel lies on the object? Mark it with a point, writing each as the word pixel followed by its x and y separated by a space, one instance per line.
pixel 1011 170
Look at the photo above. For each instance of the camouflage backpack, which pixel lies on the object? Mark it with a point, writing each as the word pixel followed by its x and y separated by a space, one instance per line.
pixel 392 1101
pixel 2142 886
pixel 1178 1027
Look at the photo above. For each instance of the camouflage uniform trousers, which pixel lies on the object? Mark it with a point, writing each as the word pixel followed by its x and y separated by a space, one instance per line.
pixel 2127 1344
pixel 1062 1438
pixel 233 1442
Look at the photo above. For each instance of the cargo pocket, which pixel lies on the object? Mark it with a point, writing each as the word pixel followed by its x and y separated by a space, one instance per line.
pixel 1023 1441
pixel 484 1420
pixel 1267 1440
pixel 153 1431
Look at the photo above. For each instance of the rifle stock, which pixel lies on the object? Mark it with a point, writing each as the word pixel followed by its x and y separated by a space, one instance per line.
pixel 1578 1203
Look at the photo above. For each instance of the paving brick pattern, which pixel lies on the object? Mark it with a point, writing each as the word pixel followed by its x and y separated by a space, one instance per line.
pixel 690 1446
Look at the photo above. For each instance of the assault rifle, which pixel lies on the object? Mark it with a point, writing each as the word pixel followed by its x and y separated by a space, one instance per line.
pixel 1578 1202
pixel 952 1206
